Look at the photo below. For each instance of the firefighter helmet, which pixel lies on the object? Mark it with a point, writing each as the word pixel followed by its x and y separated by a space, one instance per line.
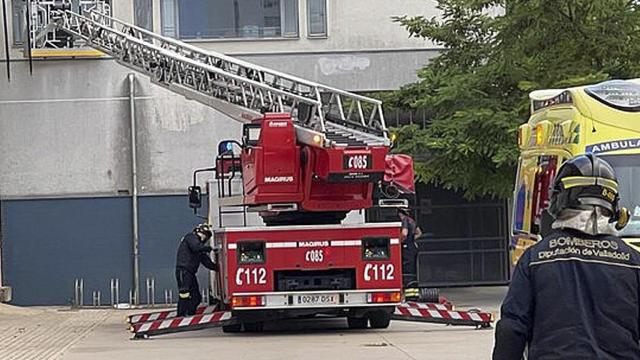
pixel 203 229
pixel 585 180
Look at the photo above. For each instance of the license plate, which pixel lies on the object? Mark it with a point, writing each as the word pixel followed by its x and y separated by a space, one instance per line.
pixel 317 299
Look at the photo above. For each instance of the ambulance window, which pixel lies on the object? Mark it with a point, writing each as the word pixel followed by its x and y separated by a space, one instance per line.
pixel 627 168
pixel 620 94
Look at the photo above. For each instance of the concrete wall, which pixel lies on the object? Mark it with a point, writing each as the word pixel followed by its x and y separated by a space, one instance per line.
pixel 355 71
pixel 65 131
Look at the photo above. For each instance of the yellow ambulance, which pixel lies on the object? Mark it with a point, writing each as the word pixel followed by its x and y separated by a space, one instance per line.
pixel 603 119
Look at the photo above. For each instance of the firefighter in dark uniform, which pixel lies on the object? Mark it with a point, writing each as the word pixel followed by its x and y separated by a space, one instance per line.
pixel 409 247
pixel 576 293
pixel 191 253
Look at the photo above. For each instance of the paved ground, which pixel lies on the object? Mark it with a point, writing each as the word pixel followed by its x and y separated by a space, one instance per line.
pixel 49 333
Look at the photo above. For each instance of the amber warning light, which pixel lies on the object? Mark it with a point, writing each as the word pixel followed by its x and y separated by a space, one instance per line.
pixel 384 297
pixel 247 301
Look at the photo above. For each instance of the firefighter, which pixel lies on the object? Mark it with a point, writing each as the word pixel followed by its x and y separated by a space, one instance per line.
pixel 575 293
pixel 191 253
pixel 409 249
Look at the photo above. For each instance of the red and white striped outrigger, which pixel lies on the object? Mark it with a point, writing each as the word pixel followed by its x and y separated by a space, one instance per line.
pixel 441 314
pixel 164 322
pixel 142 330
pixel 161 315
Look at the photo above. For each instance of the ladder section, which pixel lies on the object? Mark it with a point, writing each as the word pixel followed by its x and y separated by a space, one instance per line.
pixel 237 88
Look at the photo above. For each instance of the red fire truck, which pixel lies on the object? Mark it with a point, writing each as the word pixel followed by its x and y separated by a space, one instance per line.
pixel 303 261
pixel 309 154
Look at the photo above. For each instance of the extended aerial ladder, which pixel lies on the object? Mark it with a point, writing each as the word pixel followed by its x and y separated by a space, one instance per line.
pixel 241 90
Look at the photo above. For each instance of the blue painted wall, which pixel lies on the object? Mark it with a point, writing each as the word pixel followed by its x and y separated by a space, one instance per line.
pixel 48 243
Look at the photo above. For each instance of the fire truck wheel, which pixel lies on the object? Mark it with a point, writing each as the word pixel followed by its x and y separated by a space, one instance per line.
pixel 357 322
pixel 254 327
pixel 379 319
pixel 230 329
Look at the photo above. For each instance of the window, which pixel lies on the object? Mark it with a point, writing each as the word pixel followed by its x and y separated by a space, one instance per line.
pixel 143 14
pixel 627 168
pixel 250 252
pixel 169 18
pixel 317 18
pixel 375 248
pixel 18 21
pixel 222 19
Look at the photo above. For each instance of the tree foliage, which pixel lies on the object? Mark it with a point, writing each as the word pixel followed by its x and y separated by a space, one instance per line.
pixel 493 54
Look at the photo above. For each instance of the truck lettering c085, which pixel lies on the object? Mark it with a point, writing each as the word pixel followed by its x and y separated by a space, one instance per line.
pixel 358 162
pixel 315 256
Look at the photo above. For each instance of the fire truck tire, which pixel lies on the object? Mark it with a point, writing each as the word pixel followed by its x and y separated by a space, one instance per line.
pixel 254 327
pixel 357 322
pixel 230 329
pixel 379 319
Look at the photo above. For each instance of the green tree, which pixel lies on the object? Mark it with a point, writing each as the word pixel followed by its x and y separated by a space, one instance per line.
pixel 493 54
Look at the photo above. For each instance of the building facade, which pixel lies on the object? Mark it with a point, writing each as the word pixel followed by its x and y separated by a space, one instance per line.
pixel 68 162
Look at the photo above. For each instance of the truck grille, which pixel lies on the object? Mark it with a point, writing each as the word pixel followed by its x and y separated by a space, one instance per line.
pixel 336 279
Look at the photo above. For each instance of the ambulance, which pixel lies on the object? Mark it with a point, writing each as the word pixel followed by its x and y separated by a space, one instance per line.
pixel 603 119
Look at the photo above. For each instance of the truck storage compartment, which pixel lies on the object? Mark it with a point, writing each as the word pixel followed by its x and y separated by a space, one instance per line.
pixel 297 280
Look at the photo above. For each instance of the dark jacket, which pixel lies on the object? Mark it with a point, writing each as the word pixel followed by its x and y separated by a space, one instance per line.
pixel 191 253
pixel 572 296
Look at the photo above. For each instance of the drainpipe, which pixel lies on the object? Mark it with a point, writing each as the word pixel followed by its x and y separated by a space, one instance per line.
pixel 134 187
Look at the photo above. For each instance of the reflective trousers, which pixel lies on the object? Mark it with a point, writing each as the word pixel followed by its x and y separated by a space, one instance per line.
pixel 189 296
